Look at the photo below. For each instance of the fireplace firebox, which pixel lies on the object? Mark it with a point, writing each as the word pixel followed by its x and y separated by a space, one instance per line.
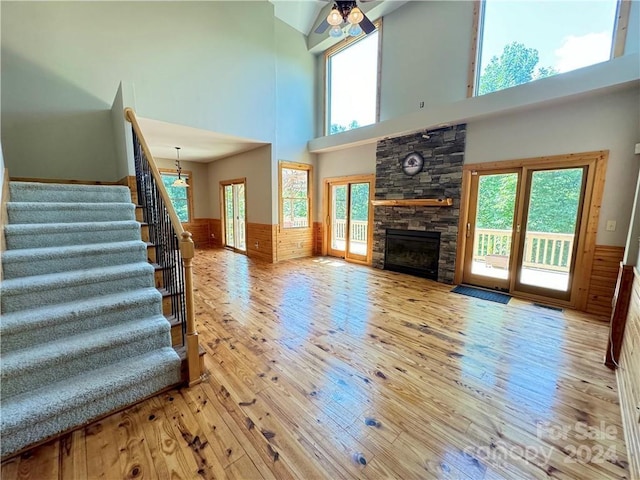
pixel 415 252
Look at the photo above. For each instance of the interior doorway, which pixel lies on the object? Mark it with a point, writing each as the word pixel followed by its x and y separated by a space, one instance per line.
pixel 526 222
pixel 234 215
pixel 349 217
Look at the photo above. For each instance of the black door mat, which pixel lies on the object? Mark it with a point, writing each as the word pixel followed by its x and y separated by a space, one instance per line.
pixel 483 294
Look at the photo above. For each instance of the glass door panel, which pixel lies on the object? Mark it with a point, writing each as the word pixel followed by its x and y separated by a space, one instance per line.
pixel 234 206
pixel 491 226
pixel 338 225
pixel 240 216
pixel 358 220
pixel 228 216
pixel 552 215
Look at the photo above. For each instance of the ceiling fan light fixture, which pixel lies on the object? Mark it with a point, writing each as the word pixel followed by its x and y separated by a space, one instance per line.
pixel 336 32
pixel 355 16
pixel 335 17
pixel 354 30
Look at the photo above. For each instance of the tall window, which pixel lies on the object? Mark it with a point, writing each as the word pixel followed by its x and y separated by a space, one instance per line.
pixel 180 196
pixel 519 42
pixel 352 83
pixel 295 194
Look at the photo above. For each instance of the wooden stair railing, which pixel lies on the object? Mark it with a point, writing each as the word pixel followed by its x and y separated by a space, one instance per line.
pixel 173 245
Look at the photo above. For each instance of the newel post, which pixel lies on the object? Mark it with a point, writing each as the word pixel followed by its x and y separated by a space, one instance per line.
pixel 187 249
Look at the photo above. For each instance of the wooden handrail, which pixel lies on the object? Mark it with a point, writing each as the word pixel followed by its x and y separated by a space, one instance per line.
pixel 130 115
pixel 187 250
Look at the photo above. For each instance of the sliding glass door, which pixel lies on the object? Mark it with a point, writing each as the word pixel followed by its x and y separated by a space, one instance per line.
pixel 349 218
pixel 523 229
pixel 234 214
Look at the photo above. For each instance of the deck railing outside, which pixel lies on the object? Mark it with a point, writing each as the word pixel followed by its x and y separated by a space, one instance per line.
pixel 359 230
pixel 546 251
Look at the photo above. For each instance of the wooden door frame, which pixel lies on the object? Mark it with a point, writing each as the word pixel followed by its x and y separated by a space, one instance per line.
pixel 596 172
pixel 522 218
pixel 472 209
pixel 326 209
pixel 329 224
pixel 223 213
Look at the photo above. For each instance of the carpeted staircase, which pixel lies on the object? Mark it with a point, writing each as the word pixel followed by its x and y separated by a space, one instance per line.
pixel 82 331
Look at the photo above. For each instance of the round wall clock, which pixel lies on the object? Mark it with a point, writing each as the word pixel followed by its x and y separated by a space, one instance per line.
pixel 412 164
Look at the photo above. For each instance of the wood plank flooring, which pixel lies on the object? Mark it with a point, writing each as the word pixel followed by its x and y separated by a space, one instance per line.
pixel 301 355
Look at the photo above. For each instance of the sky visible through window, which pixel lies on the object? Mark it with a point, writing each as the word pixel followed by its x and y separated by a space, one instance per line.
pixel 566 34
pixel 353 85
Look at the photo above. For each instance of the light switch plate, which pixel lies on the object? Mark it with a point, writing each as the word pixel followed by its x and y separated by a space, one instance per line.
pixel 611 225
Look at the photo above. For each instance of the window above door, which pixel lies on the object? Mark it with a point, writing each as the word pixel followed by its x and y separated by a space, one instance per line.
pixel 352 81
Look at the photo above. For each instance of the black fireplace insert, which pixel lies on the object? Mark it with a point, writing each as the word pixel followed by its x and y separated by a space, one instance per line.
pixel 415 252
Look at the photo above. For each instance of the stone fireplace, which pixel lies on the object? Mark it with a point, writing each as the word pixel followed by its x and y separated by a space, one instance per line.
pixel 440 178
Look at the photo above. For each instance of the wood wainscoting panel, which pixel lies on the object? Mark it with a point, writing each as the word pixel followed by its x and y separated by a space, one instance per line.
pixel 629 380
pixel 318 236
pixel 295 243
pixel 260 241
pixel 215 232
pixel 602 281
pixel 199 228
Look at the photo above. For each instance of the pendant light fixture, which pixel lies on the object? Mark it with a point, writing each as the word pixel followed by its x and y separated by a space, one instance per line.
pixel 179 182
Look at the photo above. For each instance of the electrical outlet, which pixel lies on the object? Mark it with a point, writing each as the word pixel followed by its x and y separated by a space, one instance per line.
pixel 611 225
pixel 257 245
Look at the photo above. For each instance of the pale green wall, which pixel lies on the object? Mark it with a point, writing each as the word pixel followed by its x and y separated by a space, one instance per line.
pixel 255 167
pixel 425 56
pixel 632 44
pixel 209 65
pixel 294 106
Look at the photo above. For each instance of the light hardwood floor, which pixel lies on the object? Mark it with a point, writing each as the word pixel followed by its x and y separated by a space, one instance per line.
pixel 301 353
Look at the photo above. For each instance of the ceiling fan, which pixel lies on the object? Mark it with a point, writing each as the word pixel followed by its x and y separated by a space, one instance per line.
pixel 347 12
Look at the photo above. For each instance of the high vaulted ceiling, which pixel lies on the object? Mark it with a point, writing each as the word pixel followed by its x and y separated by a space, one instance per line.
pixel 300 14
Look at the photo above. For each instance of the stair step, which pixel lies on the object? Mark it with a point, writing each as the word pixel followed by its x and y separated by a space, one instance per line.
pixel 42 261
pixel 83 331
pixel 27 328
pixel 38 235
pixel 66 212
pixel 52 409
pixel 71 193
pixel 30 368
pixel 26 292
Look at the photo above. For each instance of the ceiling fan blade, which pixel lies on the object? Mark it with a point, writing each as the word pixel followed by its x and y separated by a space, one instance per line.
pixel 322 27
pixel 366 25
